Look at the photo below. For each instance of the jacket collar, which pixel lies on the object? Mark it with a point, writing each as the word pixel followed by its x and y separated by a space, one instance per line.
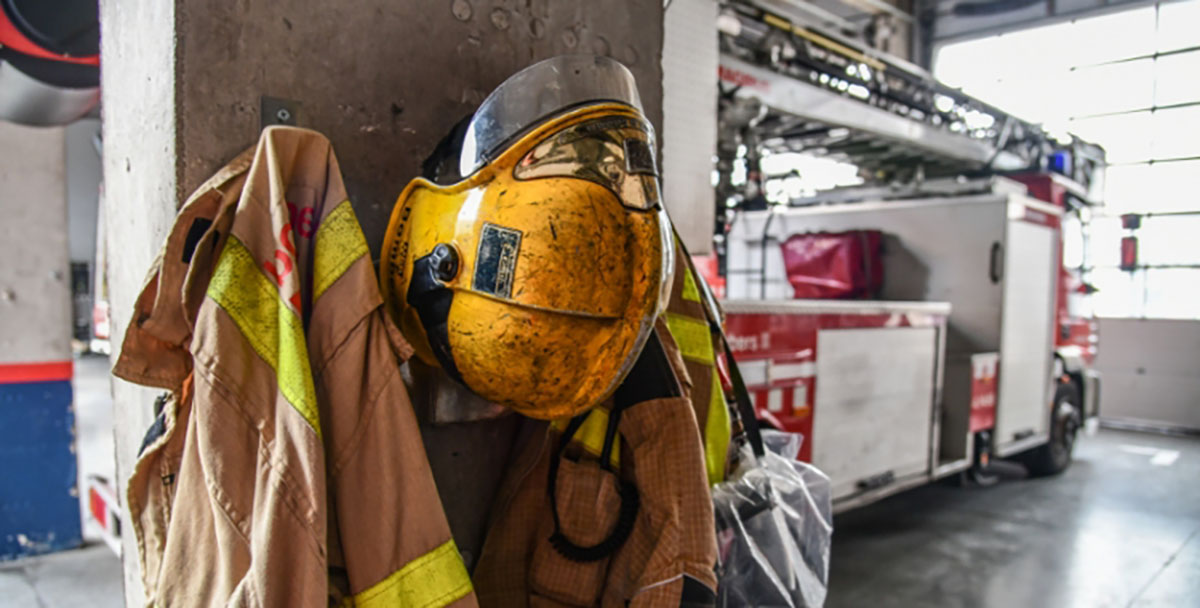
pixel 155 349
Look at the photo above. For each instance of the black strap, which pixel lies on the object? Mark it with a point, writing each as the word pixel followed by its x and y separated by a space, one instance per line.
pixel 441 166
pixel 610 437
pixel 741 396
pixel 745 406
pixel 630 501
pixel 755 500
pixel 651 378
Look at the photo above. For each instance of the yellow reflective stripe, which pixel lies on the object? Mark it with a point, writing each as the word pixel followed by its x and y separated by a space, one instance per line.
pixel 339 243
pixel 717 430
pixel 690 291
pixel 693 337
pixel 591 434
pixel 275 332
pixel 437 578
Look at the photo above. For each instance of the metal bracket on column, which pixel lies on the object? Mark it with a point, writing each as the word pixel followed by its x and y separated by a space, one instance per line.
pixel 278 111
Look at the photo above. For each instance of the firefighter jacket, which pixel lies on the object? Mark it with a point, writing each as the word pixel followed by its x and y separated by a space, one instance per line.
pixel 691 331
pixel 287 468
pixel 668 449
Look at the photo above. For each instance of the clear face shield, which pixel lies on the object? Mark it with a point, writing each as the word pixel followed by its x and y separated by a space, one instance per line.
pixel 538 92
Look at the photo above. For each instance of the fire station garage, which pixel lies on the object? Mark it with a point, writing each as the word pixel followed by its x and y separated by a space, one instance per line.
pixel 779 303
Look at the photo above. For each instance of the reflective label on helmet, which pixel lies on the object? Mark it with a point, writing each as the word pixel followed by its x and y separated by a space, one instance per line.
pixel 496 260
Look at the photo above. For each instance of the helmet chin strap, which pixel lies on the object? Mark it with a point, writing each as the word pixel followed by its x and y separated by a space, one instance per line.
pixel 630 501
pixel 651 378
pixel 441 166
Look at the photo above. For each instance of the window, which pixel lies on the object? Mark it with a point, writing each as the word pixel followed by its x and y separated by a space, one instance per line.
pixel 1129 81
pixel 793 175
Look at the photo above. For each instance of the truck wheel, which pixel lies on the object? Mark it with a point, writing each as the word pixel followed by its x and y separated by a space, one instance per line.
pixel 979 477
pixel 1055 456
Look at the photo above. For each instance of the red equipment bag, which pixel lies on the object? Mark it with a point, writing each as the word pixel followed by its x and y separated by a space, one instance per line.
pixel 835 265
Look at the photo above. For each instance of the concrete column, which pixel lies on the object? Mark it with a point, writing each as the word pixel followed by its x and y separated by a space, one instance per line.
pixel 689 137
pixel 39 508
pixel 140 198
pixel 383 80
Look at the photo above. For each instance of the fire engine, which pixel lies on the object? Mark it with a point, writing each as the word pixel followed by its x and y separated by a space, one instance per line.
pixel 921 323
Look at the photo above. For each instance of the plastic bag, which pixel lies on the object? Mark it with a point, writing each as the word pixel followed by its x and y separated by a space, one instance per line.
pixel 774 515
pixel 774 526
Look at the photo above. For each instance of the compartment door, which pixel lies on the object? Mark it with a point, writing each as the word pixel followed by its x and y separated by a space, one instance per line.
pixel 1027 332
pixel 874 403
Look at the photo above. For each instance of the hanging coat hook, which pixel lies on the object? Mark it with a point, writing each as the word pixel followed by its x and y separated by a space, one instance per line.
pixel 278 111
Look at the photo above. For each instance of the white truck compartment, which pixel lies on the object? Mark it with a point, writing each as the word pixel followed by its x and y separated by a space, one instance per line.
pixel 992 256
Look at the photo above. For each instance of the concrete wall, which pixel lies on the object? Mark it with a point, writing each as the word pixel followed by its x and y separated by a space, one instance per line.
pixel 1150 371
pixel 689 135
pixel 383 80
pixel 137 47
pixel 35 311
pixel 397 78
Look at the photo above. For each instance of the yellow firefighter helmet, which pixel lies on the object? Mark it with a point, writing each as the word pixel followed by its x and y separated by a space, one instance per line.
pixel 536 279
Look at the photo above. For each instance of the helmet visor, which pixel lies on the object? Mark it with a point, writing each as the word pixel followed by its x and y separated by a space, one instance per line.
pixel 539 91
pixel 616 152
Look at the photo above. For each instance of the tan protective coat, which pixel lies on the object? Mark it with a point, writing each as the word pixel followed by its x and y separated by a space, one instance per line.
pixel 286 469
pixel 669 456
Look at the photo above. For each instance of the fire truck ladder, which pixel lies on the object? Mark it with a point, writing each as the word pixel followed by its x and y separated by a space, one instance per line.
pixel 787 85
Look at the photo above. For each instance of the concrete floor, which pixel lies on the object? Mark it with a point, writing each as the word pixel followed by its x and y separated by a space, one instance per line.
pixel 83 578
pixel 1120 528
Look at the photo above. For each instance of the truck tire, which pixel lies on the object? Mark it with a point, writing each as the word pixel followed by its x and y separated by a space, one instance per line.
pixel 1055 456
pixel 978 477
pixel 981 474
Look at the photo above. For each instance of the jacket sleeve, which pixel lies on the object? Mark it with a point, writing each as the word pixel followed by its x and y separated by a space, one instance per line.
pixel 392 537
pixel 671 555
